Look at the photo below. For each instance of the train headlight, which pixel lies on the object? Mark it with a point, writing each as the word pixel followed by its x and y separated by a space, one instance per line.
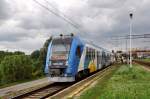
pixel 50 64
pixel 66 63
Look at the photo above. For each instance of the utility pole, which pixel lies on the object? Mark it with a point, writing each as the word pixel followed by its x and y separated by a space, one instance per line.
pixel 131 16
pixel 126 50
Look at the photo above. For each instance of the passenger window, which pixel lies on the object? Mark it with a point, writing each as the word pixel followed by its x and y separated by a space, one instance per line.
pixel 78 52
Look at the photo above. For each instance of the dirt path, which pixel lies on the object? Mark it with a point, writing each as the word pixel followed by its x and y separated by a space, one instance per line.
pixel 145 67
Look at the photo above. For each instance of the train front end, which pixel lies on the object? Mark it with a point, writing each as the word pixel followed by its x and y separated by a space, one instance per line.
pixel 57 60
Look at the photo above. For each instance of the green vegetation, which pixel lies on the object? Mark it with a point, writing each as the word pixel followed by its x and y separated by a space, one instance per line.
pixel 43 51
pixel 126 83
pixel 19 68
pixel 16 67
pixel 6 53
pixel 146 59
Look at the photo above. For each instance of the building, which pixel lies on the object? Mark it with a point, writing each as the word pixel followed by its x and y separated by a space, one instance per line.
pixel 141 53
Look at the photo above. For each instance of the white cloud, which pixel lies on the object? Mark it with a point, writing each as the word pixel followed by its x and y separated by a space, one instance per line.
pixel 98 20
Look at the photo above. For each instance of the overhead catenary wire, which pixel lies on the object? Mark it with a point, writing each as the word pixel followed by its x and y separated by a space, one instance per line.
pixel 58 15
pixel 64 17
pixel 133 36
pixel 61 13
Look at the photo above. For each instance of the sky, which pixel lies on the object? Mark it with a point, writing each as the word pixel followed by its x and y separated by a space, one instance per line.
pixel 25 25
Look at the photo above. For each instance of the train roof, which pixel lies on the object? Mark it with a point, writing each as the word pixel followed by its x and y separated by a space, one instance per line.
pixel 96 47
pixel 69 38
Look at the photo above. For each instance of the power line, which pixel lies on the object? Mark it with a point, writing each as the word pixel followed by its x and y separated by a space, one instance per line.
pixel 60 12
pixel 65 19
pixel 132 36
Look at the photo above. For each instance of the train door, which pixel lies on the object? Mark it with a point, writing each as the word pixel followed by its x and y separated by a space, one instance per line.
pixel 87 58
pixel 99 59
pixel 78 55
pixel 103 58
pixel 107 59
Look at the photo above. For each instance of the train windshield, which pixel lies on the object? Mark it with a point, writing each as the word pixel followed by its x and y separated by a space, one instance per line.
pixel 58 49
pixel 61 48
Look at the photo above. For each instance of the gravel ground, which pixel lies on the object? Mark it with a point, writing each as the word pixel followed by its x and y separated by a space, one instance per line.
pixel 24 86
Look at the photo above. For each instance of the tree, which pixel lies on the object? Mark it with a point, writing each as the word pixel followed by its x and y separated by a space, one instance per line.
pixel 37 69
pixel 35 54
pixel 16 67
pixel 6 53
pixel 39 58
pixel 43 51
pixel 3 54
pixel 19 53
pixel 0 76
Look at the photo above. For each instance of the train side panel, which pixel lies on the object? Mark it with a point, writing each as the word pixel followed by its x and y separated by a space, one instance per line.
pixel 74 57
pixel 91 59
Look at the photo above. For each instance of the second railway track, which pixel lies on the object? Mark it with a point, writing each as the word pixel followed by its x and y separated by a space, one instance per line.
pixel 143 63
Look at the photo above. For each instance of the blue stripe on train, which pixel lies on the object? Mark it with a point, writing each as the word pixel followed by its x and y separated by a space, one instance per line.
pixel 73 59
pixel 48 58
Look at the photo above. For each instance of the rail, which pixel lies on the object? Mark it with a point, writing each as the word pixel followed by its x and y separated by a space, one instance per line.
pixel 78 87
pixel 143 63
pixel 57 90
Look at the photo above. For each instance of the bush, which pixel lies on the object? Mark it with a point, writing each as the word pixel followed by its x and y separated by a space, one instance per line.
pixel 16 67
pixel 37 69
pixel 35 54
pixel 0 77
pixel 6 53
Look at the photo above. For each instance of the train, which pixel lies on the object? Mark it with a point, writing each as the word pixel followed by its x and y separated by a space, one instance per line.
pixel 69 57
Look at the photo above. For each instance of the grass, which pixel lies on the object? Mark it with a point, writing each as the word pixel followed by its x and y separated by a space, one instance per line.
pixel 19 82
pixel 125 83
pixel 145 60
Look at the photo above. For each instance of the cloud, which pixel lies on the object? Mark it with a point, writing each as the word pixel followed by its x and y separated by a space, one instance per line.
pixel 5 11
pixel 41 21
pixel 26 44
pixel 97 21
pixel 106 3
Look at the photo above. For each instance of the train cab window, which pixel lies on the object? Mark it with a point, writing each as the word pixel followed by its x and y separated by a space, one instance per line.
pixel 87 52
pixel 90 54
pixel 93 54
pixel 78 51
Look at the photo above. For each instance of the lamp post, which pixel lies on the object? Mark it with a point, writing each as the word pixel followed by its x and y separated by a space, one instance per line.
pixel 131 16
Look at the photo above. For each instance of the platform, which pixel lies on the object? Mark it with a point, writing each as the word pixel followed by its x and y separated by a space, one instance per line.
pixel 16 90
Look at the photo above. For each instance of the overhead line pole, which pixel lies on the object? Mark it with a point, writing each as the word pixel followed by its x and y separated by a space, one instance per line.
pixel 126 49
pixel 131 16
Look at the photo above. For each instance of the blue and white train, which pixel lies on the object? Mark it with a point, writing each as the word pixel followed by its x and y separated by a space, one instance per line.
pixel 68 57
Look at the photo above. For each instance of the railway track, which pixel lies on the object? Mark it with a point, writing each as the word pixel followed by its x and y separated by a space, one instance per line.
pixel 54 88
pixel 44 92
pixel 76 89
pixel 145 64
